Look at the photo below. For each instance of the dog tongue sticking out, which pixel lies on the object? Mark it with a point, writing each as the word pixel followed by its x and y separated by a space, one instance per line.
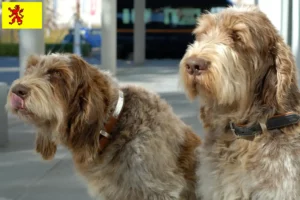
pixel 17 102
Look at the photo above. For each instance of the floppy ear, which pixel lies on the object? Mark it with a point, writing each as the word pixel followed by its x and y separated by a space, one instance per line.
pixel 286 73
pixel 281 77
pixel 87 109
pixel 45 146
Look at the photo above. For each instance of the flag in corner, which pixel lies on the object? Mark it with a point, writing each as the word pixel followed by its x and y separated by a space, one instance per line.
pixel 22 15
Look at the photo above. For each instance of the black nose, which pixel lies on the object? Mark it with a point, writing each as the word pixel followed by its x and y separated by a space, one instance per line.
pixel 194 65
pixel 20 90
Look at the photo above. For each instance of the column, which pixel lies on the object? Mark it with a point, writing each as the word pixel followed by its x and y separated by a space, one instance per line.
pixel 109 35
pixel 296 30
pixel 273 14
pixel 77 25
pixel 286 20
pixel 139 32
pixel 31 41
pixel 4 139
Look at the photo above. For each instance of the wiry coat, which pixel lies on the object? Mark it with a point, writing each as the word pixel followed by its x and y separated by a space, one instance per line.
pixel 151 155
pixel 251 77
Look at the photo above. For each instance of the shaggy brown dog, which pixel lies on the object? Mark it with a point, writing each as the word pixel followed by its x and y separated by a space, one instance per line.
pixel 150 151
pixel 245 77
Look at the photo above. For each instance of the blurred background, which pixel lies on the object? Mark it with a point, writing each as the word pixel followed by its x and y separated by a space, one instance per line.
pixel 160 39
pixel 126 40
pixel 139 41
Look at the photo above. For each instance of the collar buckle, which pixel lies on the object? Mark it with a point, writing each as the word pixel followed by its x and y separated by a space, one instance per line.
pixel 105 134
pixel 231 125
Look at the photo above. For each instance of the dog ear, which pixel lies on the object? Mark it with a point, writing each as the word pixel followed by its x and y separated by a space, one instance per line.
pixel 45 146
pixel 91 90
pixel 281 77
pixel 88 107
pixel 286 72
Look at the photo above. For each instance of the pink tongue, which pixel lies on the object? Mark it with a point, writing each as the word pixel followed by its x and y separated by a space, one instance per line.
pixel 17 102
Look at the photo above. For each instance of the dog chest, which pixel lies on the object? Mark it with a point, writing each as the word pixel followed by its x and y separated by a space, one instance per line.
pixel 265 171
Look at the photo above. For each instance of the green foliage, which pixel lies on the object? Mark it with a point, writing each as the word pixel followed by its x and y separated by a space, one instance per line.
pixel 10 49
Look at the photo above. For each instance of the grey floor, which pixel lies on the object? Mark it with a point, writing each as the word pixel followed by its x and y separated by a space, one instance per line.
pixel 24 176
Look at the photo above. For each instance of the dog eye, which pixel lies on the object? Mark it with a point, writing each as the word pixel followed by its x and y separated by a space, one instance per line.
pixel 54 73
pixel 235 36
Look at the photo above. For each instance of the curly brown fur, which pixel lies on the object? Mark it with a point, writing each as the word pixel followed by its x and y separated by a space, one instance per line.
pixel 152 153
pixel 249 76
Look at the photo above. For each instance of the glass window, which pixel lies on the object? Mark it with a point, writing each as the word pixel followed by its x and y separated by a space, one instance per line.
pixel 167 16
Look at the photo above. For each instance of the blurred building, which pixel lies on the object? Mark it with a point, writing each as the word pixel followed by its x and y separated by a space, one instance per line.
pixel 64 10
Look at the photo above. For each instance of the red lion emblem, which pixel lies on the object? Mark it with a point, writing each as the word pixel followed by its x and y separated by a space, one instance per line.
pixel 16 14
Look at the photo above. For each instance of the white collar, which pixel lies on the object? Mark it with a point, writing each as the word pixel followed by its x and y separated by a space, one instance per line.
pixel 116 113
pixel 119 105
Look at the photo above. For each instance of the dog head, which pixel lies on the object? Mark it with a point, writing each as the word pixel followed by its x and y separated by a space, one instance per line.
pixel 238 56
pixel 64 97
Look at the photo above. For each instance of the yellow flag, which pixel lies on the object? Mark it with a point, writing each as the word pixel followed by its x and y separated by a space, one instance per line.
pixel 22 15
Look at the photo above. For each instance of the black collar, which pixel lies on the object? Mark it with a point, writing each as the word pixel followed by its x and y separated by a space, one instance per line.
pixel 275 122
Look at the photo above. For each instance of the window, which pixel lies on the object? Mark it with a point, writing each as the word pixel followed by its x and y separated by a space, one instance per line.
pixel 166 15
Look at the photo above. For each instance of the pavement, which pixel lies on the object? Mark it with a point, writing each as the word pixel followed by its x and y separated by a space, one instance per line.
pixel 24 176
pixel 9 70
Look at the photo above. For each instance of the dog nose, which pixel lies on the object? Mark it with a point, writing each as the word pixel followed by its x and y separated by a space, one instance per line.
pixel 20 90
pixel 194 66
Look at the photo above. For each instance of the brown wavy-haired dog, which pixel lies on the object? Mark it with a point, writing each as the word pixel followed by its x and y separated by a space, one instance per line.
pixel 125 141
pixel 245 77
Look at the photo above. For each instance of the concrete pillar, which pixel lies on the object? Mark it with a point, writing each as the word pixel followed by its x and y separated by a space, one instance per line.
pixel 139 32
pixel 109 36
pixel 296 30
pixel 286 20
pixel 77 25
pixel 3 115
pixel 76 41
pixel 31 41
pixel 273 14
